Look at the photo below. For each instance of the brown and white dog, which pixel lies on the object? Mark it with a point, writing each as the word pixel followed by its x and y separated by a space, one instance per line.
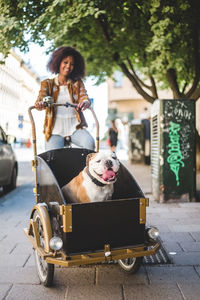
pixel 95 182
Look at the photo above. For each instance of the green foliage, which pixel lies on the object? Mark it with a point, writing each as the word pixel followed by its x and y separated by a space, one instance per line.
pixel 151 36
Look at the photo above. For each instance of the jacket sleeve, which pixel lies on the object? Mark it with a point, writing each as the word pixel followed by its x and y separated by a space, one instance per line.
pixel 44 90
pixel 82 93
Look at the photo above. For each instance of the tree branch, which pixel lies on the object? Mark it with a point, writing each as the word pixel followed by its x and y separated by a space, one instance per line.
pixel 153 87
pixel 172 80
pixel 196 94
pixel 132 77
pixel 135 75
pixel 104 27
pixel 135 83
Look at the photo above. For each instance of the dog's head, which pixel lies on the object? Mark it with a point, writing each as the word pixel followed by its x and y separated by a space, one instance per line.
pixel 103 166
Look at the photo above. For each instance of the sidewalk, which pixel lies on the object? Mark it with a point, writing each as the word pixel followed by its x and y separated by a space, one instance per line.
pixel 178 223
pixel 179 226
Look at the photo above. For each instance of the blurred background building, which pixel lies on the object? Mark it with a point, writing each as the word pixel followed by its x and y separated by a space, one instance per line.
pixel 19 87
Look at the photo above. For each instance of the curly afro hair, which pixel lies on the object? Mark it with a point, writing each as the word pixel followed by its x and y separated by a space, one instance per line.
pixel 59 54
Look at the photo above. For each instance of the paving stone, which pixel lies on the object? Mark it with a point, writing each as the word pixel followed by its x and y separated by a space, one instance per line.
pixel 6 249
pixel 31 260
pixel 184 208
pixel 164 221
pixel 153 291
pixel 74 276
pixel 16 236
pixel 197 268
pixel 36 292
pixel 196 236
pixel 160 209
pixel 179 214
pixel 8 245
pixel 169 274
pixel 114 274
pixel 187 258
pixel 189 221
pixel 172 246
pixel 4 289
pixel 185 228
pixel 190 205
pixel 18 275
pixel 190 246
pixel 176 236
pixel 23 248
pixel 111 292
pixel 193 215
pixel 191 291
pixel 13 260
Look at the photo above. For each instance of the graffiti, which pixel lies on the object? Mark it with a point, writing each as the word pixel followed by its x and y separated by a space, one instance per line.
pixel 175 156
pixel 179 111
pixel 183 114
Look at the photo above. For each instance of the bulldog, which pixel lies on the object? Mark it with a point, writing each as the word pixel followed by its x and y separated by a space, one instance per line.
pixel 95 182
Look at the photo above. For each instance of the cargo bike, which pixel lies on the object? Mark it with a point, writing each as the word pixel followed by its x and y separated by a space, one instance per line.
pixel 88 233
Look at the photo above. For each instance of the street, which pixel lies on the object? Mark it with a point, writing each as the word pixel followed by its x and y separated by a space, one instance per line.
pixel 179 225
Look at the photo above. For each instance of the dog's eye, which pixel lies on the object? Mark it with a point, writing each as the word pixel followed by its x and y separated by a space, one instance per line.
pixel 98 161
pixel 114 156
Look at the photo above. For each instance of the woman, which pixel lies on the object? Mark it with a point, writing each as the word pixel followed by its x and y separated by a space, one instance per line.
pixel 113 136
pixel 62 123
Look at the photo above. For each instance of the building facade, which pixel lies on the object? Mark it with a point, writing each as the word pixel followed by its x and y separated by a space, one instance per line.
pixel 126 103
pixel 19 86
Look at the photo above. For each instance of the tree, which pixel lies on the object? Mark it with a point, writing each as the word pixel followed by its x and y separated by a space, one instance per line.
pixel 154 42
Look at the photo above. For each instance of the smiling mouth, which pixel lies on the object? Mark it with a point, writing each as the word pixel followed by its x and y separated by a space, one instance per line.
pixel 108 175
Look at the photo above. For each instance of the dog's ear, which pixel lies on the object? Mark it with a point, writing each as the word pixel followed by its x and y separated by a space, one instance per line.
pixel 89 156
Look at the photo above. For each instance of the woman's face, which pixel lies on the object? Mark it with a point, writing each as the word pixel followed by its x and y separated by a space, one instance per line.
pixel 66 66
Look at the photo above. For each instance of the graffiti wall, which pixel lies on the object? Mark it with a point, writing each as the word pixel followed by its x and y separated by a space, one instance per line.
pixel 178 147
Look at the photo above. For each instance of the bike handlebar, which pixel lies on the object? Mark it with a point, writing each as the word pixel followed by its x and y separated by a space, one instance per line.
pixel 67 104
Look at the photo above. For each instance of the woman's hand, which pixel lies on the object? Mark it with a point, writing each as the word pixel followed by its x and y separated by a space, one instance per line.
pixel 83 105
pixel 40 105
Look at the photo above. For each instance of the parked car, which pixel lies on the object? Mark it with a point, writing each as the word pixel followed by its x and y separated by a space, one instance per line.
pixel 8 164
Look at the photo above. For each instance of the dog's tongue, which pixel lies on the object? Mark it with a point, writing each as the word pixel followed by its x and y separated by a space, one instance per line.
pixel 108 175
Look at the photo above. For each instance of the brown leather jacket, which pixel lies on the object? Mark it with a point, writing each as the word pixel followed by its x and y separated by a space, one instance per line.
pixel 50 87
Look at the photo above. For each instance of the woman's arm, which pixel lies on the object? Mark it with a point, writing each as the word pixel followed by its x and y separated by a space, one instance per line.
pixel 83 99
pixel 44 91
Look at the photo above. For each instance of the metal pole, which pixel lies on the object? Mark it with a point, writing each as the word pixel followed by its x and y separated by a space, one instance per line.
pixel 97 128
pixel 34 162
